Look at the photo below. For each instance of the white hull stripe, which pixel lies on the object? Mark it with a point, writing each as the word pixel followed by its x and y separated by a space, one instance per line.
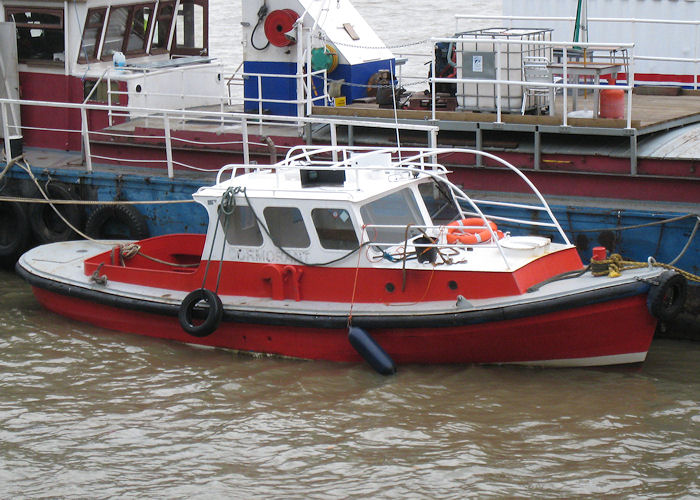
pixel 614 359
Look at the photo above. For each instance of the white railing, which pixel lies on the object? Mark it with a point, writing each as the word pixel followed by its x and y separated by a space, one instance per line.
pixel 235 123
pixel 501 52
pixel 408 163
pixel 693 43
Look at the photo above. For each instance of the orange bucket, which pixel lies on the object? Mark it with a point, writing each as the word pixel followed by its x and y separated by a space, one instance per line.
pixel 612 103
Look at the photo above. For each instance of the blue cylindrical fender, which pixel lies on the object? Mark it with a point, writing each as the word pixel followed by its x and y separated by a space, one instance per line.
pixel 371 351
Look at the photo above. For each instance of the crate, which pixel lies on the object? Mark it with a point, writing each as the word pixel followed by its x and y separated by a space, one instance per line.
pixel 476 59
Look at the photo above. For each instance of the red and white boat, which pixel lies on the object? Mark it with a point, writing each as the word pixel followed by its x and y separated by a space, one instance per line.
pixel 344 253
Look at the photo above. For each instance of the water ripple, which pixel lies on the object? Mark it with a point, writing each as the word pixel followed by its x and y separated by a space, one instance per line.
pixel 90 413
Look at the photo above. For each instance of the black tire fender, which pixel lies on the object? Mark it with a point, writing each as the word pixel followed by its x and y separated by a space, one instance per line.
pixel 188 311
pixel 14 229
pixel 666 299
pixel 117 222
pixel 47 226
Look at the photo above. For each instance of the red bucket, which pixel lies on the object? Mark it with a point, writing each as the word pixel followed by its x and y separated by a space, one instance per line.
pixel 612 103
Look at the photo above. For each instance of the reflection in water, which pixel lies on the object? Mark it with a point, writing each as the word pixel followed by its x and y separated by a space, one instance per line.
pixel 90 413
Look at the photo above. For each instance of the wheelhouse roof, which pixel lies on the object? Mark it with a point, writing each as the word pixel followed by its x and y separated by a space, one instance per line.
pixel 361 184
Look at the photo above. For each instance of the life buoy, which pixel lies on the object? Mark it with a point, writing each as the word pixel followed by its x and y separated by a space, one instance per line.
pixel 464 232
pixel 277 23
pixel 188 312
pixel 117 222
pixel 666 299
pixel 14 231
pixel 47 226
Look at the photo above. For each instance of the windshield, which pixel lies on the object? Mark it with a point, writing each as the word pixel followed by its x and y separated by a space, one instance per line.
pixel 439 202
pixel 397 209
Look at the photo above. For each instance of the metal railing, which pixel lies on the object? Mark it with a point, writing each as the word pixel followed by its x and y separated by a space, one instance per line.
pixel 501 52
pixel 694 60
pixel 235 123
pixel 407 164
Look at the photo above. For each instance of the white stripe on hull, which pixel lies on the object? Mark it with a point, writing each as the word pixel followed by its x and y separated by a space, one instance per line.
pixel 614 359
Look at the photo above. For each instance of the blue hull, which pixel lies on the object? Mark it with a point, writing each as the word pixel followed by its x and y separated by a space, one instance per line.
pixel 587 227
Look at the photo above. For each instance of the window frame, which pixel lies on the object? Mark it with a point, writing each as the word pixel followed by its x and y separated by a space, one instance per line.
pixel 154 49
pixel 386 235
pixel 275 231
pixel 10 11
pixel 128 30
pixel 82 59
pixel 184 50
pixel 324 240
pixel 232 230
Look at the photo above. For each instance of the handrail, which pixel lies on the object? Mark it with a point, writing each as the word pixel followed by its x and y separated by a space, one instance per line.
pixel 411 161
pixel 565 85
pixel 217 117
pixel 695 59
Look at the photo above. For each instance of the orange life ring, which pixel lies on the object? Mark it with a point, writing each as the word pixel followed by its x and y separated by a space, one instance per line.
pixel 458 233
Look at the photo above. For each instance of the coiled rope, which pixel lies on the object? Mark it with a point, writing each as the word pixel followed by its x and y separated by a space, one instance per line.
pixel 615 264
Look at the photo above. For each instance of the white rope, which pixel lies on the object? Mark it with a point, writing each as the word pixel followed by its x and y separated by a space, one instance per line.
pixel 45 201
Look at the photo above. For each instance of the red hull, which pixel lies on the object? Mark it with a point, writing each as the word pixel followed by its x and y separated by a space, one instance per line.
pixel 611 329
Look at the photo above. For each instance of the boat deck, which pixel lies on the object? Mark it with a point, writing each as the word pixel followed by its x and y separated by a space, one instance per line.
pixel 650 113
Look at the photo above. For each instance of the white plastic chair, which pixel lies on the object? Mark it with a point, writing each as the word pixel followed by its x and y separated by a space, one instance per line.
pixel 536 71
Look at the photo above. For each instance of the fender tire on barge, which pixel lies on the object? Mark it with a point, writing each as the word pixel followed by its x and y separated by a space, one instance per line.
pixel 14 230
pixel 47 226
pixel 125 220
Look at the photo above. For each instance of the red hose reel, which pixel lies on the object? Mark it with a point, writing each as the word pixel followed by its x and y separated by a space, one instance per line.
pixel 277 23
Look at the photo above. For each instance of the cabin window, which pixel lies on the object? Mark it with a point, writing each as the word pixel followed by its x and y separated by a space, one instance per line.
pixel 127 30
pixel 334 228
pixel 164 19
pixel 191 32
pixel 39 34
pixel 286 227
pixel 91 35
pixel 139 24
pixel 396 209
pixel 242 228
pixel 439 202
pixel 100 94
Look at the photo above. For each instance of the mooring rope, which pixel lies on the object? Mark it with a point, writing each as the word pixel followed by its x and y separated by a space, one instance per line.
pixel 127 251
pixel 615 264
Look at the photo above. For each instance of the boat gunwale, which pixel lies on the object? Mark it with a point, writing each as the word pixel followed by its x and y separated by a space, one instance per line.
pixel 411 320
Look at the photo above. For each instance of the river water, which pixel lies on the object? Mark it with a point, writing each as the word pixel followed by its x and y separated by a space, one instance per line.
pixel 88 413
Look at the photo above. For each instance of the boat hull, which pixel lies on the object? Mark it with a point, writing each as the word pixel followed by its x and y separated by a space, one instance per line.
pixel 615 331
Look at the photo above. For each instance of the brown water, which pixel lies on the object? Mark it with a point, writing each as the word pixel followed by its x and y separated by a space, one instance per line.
pixel 89 413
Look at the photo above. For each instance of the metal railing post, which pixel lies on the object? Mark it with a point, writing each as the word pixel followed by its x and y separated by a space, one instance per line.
pixel 630 84
pixel 110 117
pixel 244 133
pixel 86 138
pixel 334 141
pixel 168 146
pixel 498 85
pixel 565 92
pixel 309 75
pixel 5 130
pixel 696 76
pixel 432 87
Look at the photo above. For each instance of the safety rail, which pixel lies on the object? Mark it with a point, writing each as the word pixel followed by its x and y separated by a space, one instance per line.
pixel 410 163
pixel 241 122
pixel 564 85
pixel 608 26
